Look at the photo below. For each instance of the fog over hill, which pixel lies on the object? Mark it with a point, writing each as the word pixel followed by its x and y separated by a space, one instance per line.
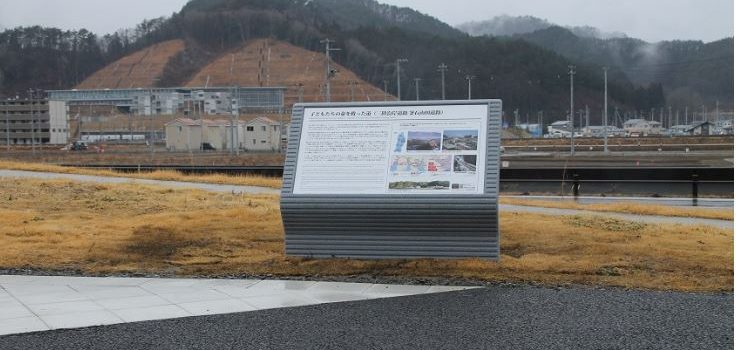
pixel 505 25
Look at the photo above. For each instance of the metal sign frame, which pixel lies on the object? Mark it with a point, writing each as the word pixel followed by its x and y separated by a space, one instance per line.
pixel 377 226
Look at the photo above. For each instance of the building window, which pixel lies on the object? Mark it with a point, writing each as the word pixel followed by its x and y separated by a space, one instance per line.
pixel 263 141
pixel 263 128
pixel 254 141
pixel 249 128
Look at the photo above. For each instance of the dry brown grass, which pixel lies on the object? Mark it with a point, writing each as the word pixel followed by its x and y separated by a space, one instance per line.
pixel 166 175
pixel 629 208
pixel 131 228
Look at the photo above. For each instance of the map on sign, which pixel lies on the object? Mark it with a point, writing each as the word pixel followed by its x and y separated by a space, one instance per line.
pixel 429 149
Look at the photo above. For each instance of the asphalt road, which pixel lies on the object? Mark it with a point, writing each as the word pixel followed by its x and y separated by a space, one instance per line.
pixel 499 317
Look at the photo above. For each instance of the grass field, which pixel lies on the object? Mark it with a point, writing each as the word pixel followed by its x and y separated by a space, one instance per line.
pixel 629 208
pixel 170 175
pixel 60 225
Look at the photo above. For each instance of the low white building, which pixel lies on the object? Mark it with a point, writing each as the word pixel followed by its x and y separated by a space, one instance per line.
pixel 184 134
pixel 560 128
pixel 262 135
pixel 642 127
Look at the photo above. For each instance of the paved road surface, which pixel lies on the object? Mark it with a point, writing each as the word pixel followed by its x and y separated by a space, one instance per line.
pixel 500 317
pixel 117 180
pixel 649 219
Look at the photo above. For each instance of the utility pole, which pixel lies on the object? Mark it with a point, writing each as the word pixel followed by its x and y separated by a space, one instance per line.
pixel 7 127
pixel 399 61
pixel 686 115
pixel 470 78
pixel 442 68
pixel 541 123
pixel 705 116
pixel 605 109
pixel 718 117
pixel 328 73
pixel 587 116
pixel 150 113
pixel 352 90
pixel 661 116
pixel 300 92
pixel 571 72
pixel 233 125
pixel 416 86
pixel 33 132
pixel 385 90
pixel 669 117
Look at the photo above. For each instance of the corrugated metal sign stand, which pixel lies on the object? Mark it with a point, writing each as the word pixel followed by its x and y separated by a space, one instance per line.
pixel 393 226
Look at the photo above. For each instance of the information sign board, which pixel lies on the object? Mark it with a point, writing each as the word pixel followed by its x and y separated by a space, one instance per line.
pixel 393 179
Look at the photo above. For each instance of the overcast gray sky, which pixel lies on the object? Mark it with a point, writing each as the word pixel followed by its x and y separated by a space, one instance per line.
pixel 651 20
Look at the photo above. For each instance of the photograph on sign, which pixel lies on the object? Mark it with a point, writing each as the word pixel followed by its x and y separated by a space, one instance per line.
pixel 437 149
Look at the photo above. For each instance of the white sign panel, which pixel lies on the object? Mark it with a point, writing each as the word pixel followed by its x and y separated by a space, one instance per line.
pixel 434 150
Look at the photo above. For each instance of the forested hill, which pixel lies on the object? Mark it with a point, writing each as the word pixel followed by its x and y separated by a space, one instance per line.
pixel 372 36
pixel 691 72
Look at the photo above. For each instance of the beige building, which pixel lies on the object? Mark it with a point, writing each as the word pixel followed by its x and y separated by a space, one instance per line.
pixel 184 134
pixel 262 135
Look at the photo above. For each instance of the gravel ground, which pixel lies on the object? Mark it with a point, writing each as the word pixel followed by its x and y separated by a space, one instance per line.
pixel 498 317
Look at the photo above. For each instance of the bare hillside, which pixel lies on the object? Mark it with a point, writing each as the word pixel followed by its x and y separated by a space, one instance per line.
pixel 139 69
pixel 265 62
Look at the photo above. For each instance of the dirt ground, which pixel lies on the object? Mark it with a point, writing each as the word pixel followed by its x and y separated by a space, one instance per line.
pixel 91 228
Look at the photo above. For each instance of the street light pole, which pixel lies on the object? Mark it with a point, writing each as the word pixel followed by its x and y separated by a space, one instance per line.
pixel 398 76
pixel 470 78
pixel 416 86
pixel 7 127
pixel 443 68
pixel 605 110
pixel 572 110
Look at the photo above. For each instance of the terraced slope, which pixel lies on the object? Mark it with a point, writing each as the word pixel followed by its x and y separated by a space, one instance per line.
pixel 139 69
pixel 265 62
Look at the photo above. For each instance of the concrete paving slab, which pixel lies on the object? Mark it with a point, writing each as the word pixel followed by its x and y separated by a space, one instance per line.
pixel 133 302
pixel 151 313
pixel 22 325
pixel 65 307
pixel 280 300
pixel 53 302
pixel 10 311
pixel 213 307
pixel 81 319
